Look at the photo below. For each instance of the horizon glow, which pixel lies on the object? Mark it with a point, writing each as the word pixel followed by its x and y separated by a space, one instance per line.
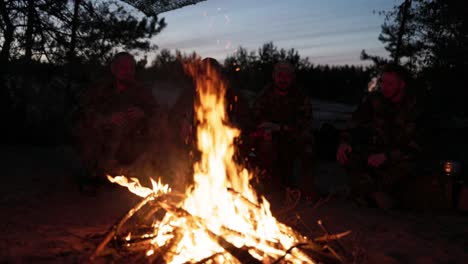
pixel 327 32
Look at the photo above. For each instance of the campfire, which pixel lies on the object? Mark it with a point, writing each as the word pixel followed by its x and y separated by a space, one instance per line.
pixel 220 218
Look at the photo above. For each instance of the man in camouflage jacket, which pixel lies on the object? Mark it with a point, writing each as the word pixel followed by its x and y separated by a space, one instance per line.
pixel 282 116
pixel 114 119
pixel 381 149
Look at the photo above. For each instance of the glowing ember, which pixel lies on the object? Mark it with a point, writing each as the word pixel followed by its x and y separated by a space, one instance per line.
pixel 221 209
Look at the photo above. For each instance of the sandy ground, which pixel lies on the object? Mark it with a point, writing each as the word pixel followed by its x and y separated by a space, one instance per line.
pixel 45 219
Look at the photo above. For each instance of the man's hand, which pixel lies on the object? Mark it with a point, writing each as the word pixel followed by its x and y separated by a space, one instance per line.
pixel 119 119
pixel 376 160
pixel 135 113
pixel 342 154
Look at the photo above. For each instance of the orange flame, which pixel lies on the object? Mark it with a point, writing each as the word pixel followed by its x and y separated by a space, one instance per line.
pixel 221 196
pixel 134 186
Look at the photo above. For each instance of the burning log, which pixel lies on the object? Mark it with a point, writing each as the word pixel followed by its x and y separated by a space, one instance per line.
pixel 241 254
pixel 238 253
pixel 332 236
pixel 205 260
pixel 115 228
pixel 239 195
pixel 337 241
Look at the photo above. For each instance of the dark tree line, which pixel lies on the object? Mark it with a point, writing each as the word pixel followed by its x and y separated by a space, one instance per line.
pixel 338 83
pixel 51 49
pixel 252 70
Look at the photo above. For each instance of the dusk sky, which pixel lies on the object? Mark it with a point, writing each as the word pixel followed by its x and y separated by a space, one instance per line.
pixel 326 31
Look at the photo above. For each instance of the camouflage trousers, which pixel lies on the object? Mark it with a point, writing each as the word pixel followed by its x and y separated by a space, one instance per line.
pixel 391 178
pixel 289 163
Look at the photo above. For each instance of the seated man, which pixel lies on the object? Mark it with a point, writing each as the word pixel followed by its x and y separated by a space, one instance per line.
pixel 114 120
pixel 283 117
pixel 380 150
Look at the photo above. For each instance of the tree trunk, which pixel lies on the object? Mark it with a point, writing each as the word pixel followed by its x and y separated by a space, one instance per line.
pixel 8 36
pixel 29 33
pixel 71 56
pixel 404 15
pixel 74 28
